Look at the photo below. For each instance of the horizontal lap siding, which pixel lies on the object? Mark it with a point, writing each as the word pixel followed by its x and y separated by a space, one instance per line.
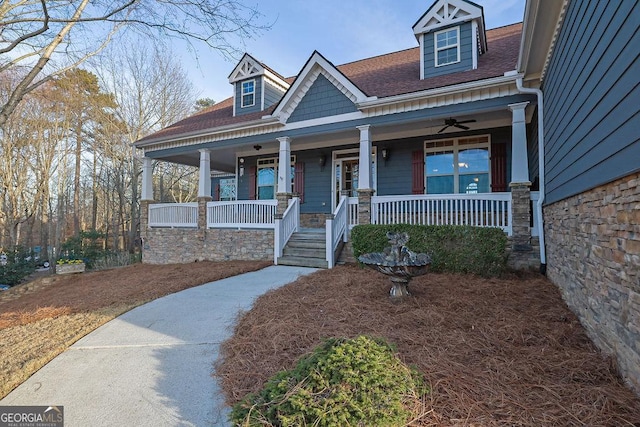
pixel 317 181
pixel 321 100
pixel 258 96
pixel 466 59
pixel 271 94
pixel 592 113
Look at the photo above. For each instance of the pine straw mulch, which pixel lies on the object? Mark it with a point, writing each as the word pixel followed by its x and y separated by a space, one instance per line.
pixel 41 319
pixel 496 352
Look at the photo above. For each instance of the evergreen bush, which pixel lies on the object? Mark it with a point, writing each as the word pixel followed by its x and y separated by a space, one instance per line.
pixel 344 382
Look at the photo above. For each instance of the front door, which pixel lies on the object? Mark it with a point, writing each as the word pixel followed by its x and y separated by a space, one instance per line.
pixel 346 168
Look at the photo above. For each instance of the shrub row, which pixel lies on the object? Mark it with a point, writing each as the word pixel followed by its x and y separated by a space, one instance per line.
pixel 452 248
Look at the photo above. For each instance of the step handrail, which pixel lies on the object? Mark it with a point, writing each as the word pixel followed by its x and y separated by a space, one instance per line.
pixel 285 226
pixel 336 229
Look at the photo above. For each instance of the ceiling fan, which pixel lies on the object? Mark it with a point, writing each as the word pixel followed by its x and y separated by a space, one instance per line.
pixel 455 123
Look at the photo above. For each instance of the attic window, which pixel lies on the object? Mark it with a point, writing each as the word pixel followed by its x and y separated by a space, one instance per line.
pixel 248 93
pixel 447 46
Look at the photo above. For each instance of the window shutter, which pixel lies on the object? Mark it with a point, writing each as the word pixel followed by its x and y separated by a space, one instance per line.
pixel 498 168
pixel 253 171
pixel 216 194
pixel 298 180
pixel 417 181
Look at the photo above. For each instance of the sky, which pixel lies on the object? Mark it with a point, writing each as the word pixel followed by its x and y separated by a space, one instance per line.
pixel 341 30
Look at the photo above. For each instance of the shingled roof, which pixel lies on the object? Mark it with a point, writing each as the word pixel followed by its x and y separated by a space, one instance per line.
pixel 396 73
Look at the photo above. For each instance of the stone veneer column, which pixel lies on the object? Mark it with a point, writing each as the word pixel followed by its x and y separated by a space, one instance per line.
pixel 521 217
pixel 202 216
pixel 283 202
pixel 364 206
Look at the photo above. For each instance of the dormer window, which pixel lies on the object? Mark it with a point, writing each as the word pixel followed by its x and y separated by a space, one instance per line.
pixel 447 46
pixel 248 93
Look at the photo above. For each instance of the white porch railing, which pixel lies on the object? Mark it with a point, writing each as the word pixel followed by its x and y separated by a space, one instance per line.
pixel 285 227
pixel 173 215
pixel 480 210
pixel 353 212
pixel 241 214
pixel 337 230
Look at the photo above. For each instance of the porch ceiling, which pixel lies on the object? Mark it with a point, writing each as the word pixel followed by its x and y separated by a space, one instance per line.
pixel 224 158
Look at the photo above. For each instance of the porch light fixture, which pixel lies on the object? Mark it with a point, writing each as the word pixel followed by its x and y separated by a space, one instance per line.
pixel 257 147
pixel 241 171
pixel 385 154
pixel 322 160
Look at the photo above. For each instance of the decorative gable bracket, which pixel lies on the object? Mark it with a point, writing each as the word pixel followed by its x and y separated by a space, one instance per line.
pixel 246 68
pixel 445 13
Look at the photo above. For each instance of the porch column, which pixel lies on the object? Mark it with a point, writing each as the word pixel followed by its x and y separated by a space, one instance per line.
pixel 146 197
pixel 519 155
pixel 365 183
pixel 204 183
pixel 147 180
pixel 204 191
pixel 283 194
pixel 364 173
pixel 521 249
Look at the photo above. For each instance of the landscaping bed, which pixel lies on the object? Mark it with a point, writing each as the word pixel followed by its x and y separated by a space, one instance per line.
pixel 40 319
pixel 495 352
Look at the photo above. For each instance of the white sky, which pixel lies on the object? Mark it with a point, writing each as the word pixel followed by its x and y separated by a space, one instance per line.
pixel 341 30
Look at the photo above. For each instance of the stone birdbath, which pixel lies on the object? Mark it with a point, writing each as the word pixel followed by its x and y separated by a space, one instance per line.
pixel 399 263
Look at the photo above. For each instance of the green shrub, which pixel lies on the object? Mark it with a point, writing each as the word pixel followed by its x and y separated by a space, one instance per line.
pixel 344 382
pixel 452 248
pixel 19 265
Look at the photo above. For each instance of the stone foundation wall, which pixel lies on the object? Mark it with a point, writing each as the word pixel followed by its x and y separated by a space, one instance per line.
pixel 312 220
pixel 173 245
pixel 593 256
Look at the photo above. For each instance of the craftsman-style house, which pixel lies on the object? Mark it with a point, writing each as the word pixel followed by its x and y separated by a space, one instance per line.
pixel 531 127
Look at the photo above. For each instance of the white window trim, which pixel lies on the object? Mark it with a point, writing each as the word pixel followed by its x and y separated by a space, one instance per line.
pixel 242 94
pixel 456 147
pixel 266 162
pixel 436 50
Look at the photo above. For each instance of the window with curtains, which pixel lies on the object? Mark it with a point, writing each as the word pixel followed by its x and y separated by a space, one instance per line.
pixel 458 165
pixel 267 177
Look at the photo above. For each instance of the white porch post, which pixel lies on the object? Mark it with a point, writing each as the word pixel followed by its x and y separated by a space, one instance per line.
pixel 147 179
pixel 365 183
pixel 519 155
pixel 364 173
pixel 284 161
pixel 204 183
pixel 521 249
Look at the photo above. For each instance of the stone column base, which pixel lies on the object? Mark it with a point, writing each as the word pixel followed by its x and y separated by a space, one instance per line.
pixel 202 216
pixel 283 202
pixel 364 205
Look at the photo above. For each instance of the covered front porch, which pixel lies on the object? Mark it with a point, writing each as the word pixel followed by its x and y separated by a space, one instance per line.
pixel 370 174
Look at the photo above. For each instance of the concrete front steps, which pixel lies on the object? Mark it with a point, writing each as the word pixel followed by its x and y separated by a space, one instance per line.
pixel 305 248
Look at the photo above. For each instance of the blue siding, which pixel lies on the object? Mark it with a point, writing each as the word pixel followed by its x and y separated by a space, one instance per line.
pixel 271 94
pixel 399 118
pixel 592 113
pixel 532 151
pixel 466 58
pixel 258 97
pixel 323 99
pixel 317 181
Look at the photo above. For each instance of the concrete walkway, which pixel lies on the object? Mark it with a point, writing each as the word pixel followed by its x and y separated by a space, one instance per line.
pixel 152 366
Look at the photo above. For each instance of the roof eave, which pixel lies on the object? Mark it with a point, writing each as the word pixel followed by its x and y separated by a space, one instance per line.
pixel 439 91
pixel 263 121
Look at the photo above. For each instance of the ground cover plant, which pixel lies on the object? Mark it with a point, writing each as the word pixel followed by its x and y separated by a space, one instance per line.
pixel 494 352
pixel 40 319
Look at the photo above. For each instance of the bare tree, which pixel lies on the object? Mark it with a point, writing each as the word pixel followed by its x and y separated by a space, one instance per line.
pixel 151 91
pixel 49 37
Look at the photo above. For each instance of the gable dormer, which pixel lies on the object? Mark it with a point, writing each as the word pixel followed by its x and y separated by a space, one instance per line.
pixel 255 86
pixel 451 36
